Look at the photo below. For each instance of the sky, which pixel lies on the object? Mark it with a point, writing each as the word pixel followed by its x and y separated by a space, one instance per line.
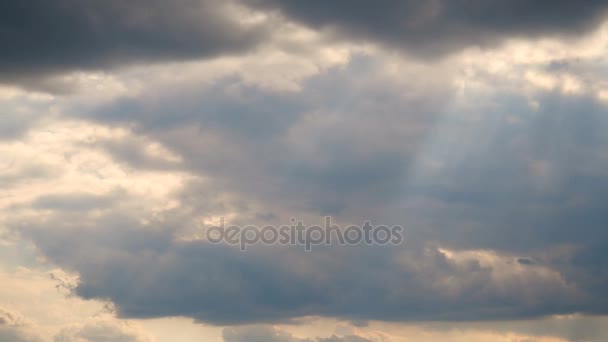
pixel 128 128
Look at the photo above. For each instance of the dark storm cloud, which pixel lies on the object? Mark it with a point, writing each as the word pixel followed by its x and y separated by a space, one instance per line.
pixel 145 273
pixel 43 39
pixel 49 37
pixel 440 26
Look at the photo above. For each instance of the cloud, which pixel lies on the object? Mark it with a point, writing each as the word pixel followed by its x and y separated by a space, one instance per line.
pixel 75 202
pixel 21 111
pixel 102 330
pixel 263 334
pixel 8 318
pixel 44 39
pixel 297 142
pixel 137 267
pixel 15 328
pixel 567 328
pixel 485 168
pixel 434 28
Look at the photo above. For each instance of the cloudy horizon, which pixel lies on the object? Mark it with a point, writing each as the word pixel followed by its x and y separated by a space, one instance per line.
pixel 478 128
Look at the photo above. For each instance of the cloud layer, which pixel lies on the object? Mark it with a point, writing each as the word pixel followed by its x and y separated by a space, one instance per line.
pixel 48 38
pixel 436 27
pixel 494 158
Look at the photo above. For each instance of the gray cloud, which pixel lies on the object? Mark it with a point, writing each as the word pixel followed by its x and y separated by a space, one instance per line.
pixel 352 142
pixel 528 190
pixel 442 26
pixel 138 267
pixel 553 156
pixel 43 38
pixel 345 153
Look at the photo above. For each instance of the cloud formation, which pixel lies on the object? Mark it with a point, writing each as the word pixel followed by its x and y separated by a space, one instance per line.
pixel 49 38
pixel 102 330
pixel 493 159
pixel 461 174
pixel 433 28
pixel 261 334
pixel 15 328
pixel 46 40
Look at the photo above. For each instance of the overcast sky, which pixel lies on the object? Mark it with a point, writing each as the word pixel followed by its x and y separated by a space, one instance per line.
pixel 127 127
